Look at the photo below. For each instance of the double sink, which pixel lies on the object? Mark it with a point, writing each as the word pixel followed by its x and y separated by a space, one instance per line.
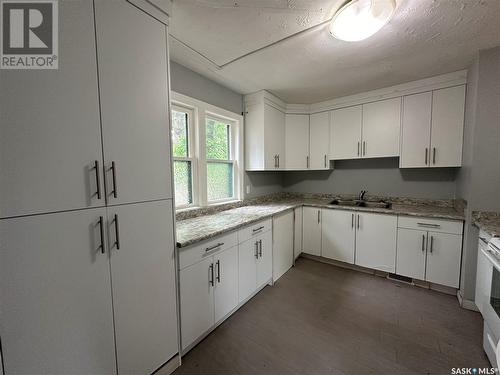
pixel 361 203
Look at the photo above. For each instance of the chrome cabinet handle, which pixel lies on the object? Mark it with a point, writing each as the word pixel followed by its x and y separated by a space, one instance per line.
pixel 434 155
pixel 214 247
pixel 260 248
pixel 218 271
pixel 319 212
pixel 117 233
pixel 358 221
pixel 364 148
pixel 432 243
pixel 97 179
pixel 352 221
pixel 483 240
pixel 423 242
pixel 358 148
pixel 113 170
pixel 426 155
pixel 257 229
pixel 325 161
pixel 101 233
pixel 278 160
pixel 307 161
pixel 211 274
pixel 256 254
pixel 428 225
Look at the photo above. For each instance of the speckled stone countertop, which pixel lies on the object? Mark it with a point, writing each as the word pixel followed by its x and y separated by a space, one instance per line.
pixel 196 229
pixel 487 221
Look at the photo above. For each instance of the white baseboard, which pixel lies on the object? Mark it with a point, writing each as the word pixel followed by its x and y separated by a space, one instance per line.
pixel 170 366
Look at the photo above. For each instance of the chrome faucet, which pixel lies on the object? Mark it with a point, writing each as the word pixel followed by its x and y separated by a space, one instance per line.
pixel 362 195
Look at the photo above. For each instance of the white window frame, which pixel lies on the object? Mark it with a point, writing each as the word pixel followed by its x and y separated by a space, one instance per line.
pixel 191 152
pixel 201 111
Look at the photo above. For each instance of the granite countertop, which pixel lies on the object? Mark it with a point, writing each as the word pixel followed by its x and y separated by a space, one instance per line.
pixel 201 228
pixel 487 221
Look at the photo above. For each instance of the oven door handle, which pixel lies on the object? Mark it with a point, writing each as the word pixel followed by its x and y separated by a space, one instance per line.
pixel 495 262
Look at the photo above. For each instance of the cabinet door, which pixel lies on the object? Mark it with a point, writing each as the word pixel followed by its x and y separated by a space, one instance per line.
pixel 311 231
pixel 416 130
pixel 247 268
pixel 319 141
pixel 296 141
pixel 448 106
pixel 444 254
pixel 134 101
pixel 56 314
pixel 254 136
pixel 282 244
pixel 381 128
pixel 197 300
pixel 50 133
pixel 265 261
pixel 411 253
pixel 345 133
pixel 144 293
pixel 274 137
pixel 297 240
pixel 338 235
pixel 376 241
pixel 226 282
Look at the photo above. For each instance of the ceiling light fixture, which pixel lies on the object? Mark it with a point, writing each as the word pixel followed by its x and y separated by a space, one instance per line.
pixel 360 19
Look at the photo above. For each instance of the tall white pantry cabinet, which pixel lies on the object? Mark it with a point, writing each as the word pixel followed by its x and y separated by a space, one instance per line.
pixel 87 252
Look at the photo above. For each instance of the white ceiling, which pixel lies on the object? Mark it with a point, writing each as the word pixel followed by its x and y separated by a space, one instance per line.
pixel 424 38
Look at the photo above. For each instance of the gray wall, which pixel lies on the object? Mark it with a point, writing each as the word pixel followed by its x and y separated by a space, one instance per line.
pixel 377 176
pixel 187 82
pixel 479 180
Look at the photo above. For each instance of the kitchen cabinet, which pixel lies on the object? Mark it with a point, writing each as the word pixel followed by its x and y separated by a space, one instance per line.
pixel 297 239
pixel 345 133
pixel 319 141
pixel 226 282
pixel 376 241
pixel 432 128
pixel 311 231
pixel 247 268
pixel 196 300
pixel 134 112
pixel 144 286
pixel 283 235
pixel 296 145
pixel 338 235
pixel 50 138
pixel 381 128
pixel 265 259
pixel 264 133
pixel 430 250
pixel 56 311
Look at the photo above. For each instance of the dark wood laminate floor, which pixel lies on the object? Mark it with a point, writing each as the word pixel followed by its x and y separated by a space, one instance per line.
pixel 321 319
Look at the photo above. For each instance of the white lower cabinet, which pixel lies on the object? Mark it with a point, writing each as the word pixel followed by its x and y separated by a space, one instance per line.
pixel 311 231
pixel 196 301
pixel 283 236
pixel 431 255
pixel 265 260
pixel 297 235
pixel 226 282
pixel 247 268
pixel 376 241
pixel 338 235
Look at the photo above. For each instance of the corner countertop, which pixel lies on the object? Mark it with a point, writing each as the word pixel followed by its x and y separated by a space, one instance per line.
pixel 197 229
pixel 487 221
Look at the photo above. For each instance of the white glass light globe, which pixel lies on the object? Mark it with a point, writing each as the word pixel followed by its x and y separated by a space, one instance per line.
pixel 360 19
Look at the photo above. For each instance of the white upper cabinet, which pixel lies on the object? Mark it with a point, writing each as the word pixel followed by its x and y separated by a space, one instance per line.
pixel 319 141
pixel 416 130
pixel 432 128
pixel 448 107
pixel 50 138
pixel 264 134
pixel 134 104
pixel 381 128
pixel 296 141
pixel 345 133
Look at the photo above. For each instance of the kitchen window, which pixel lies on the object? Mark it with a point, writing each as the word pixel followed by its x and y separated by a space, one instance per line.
pixel 207 153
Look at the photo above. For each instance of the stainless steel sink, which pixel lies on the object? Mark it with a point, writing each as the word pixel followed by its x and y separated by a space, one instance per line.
pixel 361 203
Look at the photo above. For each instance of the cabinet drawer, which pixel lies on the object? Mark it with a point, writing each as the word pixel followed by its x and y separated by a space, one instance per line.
pixel 195 253
pixel 433 225
pixel 254 230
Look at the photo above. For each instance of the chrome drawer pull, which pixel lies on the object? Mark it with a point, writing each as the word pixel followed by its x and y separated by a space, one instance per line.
pixel 429 225
pixel 214 247
pixel 257 229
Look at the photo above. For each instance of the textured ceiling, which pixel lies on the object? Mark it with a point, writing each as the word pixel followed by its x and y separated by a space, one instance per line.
pixel 424 38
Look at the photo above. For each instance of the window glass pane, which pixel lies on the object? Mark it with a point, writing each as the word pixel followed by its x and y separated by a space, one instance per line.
pixel 180 133
pixel 219 180
pixel 183 183
pixel 218 139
